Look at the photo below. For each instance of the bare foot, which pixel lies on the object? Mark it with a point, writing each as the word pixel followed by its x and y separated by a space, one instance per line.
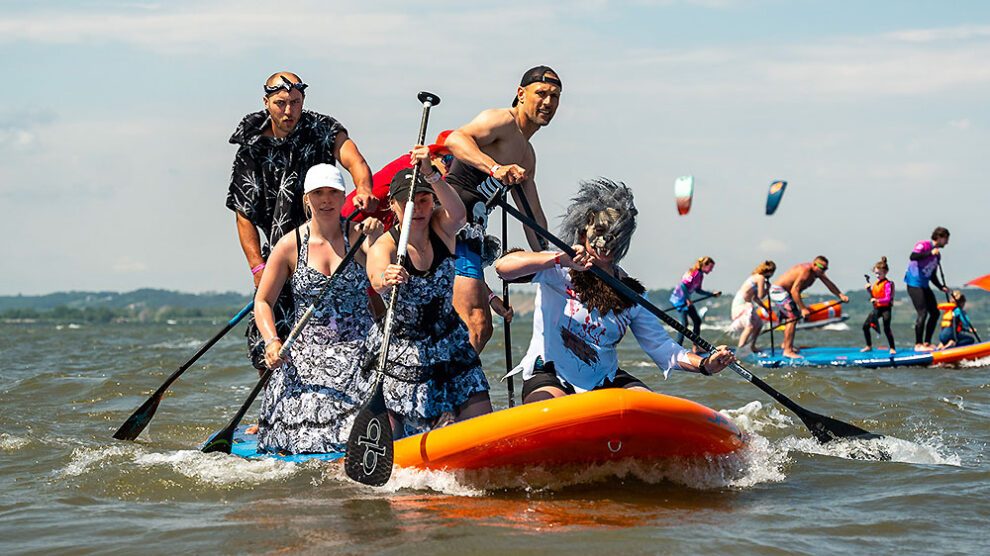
pixel 866 349
pixel 253 429
pixel 925 347
pixel 893 351
pixel 793 354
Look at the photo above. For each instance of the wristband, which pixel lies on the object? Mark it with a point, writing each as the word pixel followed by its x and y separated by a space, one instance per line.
pixel 268 341
pixel 432 178
pixel 491 296
pixel 556 259
pixel 702 369
pixel 494 169
pixel 258 268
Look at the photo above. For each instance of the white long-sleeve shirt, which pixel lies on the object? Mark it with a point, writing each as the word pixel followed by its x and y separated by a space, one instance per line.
pixel 582 344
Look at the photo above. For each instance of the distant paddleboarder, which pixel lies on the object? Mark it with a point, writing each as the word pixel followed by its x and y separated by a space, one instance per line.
pixel 496 143
pixel 689 285
pixel 785 294
pixel 922 266
pixel 882 298
pixel 751 295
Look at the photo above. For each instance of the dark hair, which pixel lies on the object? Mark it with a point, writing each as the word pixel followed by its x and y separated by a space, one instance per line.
pixel 940 232
pixel 822 258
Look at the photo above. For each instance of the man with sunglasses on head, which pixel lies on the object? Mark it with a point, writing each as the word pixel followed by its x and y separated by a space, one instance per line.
pixel 496 144
pixel 276 146
pixel 785 294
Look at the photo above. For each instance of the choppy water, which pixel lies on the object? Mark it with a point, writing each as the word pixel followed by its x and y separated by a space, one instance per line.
pixel 66 486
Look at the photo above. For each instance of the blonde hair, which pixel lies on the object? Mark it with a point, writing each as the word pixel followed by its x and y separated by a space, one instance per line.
pixel 764 267
pixel 882 265
pixel 702 262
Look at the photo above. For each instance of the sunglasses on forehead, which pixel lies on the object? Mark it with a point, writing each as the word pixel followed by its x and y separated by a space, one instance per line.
pixel 286 86
pixel 822 266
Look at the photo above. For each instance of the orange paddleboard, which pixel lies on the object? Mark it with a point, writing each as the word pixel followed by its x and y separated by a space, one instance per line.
pixel 605 425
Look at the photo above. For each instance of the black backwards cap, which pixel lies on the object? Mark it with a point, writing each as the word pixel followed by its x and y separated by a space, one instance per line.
pixel 537 75
pixel 402 181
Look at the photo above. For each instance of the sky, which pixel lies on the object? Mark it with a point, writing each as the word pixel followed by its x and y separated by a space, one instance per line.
pixel 114 121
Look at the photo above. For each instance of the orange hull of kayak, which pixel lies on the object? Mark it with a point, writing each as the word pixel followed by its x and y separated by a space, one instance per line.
pixel 606 425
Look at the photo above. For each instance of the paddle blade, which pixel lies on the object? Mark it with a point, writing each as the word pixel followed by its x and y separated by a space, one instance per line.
pixel 369 453
pixel 220 442
pixel 774 196
pixel 827 429
pixel 138 420
pixel 684 193
pixel 982 282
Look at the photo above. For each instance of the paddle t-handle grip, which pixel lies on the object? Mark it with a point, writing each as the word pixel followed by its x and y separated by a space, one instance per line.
pixel 428 98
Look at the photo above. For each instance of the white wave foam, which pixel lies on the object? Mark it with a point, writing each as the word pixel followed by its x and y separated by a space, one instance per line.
pixel 982 362
pixel 11 443
pixel 221 469
pixel 84 458
pixel 887 448
pixel 956 401
pixel 177 344
pixel 836 327
pixel 756 416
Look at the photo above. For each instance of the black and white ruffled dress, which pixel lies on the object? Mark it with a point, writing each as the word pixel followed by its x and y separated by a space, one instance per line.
pixel 310 402
pixel 432 367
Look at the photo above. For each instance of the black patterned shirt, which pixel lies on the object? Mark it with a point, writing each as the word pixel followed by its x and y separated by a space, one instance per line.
pixel 266 183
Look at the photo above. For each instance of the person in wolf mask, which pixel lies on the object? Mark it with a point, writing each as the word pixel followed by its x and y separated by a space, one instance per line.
pixel 579 320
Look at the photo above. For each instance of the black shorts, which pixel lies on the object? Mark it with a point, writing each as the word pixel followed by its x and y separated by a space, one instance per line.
pixel 547 376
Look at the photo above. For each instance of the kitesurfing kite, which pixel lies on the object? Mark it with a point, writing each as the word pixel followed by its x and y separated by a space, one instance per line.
pixel 776 193
pixel 683 193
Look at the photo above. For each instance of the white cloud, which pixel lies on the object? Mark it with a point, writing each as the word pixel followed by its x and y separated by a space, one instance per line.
pixel 127 265
pixel 963 124
pixel 772 246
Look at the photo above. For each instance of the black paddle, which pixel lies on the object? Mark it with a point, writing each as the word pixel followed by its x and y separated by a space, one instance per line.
pixel 874 324
pixel 138 420
pixel 948 298
pixel 370 451
pixel 798 319
pixel 509 385
pixel 223 440
pixel 695 300
pixel 769 314
pixel 823 428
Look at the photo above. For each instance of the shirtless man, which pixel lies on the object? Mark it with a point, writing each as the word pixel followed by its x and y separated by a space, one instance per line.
pixel 785 293
pixel 496 143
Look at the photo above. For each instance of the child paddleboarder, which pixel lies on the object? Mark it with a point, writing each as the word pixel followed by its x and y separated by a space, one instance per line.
pixel 882 297
pixel 956 325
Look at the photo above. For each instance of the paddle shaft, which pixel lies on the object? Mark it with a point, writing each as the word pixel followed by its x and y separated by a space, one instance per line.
pixel 223 440
pixel 507 333
pixel 823 428
pixel 796 319
pixel 369 452
pixel 773 346
pixel 138 420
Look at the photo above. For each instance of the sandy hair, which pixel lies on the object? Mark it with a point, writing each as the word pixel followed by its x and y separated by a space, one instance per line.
pixel 702 262
pixel 764 267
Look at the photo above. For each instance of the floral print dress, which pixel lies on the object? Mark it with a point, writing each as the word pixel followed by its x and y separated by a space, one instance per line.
pixel 432 368
pixel 310 401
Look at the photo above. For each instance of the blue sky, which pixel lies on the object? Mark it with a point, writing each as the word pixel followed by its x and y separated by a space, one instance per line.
pixel 114 159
